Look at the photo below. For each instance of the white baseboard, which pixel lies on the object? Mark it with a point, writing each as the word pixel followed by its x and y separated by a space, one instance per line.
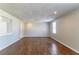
pixel 10 43
pixel 66 45
pixel 36 36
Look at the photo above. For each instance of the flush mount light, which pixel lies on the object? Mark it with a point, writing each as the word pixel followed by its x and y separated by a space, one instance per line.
pixel 55 12
pixel 0 18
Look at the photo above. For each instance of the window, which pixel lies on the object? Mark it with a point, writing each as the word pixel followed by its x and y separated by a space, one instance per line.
pixel 54 27
pixel 5 25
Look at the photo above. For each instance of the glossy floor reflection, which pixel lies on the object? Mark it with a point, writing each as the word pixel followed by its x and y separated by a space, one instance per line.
pixel 37 46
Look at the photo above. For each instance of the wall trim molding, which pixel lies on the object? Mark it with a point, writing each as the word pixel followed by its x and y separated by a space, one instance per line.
pixel 35 36
pixel 65 45
pixel 8 45
pixel 11 43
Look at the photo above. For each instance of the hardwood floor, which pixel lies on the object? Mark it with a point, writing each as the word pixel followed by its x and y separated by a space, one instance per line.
pixel 37 46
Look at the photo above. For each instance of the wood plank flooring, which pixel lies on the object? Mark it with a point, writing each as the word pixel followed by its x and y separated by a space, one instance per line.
pixel 37 46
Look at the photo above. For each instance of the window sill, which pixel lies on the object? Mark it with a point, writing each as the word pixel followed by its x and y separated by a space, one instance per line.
pixel 5 34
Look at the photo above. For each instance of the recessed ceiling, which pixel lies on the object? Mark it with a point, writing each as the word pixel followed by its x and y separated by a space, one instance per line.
pixel 38 11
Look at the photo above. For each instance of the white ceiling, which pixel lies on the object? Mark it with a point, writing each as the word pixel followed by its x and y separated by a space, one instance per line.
pixel 38 11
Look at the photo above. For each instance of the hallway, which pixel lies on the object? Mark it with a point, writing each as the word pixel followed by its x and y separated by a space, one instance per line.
pixel 37 46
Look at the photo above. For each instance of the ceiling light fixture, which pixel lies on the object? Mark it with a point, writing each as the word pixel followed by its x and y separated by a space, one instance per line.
pixel 0 18
pixel 55 12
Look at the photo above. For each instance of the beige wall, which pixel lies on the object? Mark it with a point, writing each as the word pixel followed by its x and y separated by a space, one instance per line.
pixel 68 30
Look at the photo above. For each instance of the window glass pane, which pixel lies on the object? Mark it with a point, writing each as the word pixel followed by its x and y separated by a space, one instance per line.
pixel 3 27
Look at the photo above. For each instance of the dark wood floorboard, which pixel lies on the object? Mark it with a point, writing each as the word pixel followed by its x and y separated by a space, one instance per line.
pixel 37 46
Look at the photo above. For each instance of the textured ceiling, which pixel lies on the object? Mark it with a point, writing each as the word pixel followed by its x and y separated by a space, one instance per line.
pixel 38 11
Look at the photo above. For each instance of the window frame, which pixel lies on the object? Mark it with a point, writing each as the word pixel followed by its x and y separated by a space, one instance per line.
pixel 3 27
pixel 8 25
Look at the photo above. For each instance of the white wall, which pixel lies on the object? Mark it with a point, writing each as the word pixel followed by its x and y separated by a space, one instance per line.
pixel 15 35
pixel 51 30
pixel 68 30
pixel 21 29
pixel 37 30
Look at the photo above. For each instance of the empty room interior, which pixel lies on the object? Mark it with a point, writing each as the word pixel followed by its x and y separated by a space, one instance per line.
pixel 39 29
